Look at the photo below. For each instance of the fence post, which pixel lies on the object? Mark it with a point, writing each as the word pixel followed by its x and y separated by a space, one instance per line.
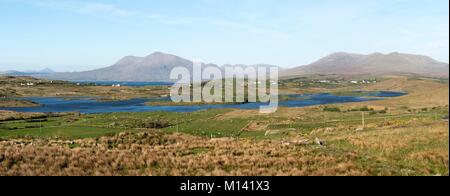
pixel 363 121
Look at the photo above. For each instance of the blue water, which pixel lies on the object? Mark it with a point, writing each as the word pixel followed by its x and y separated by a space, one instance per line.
pixel 131 84
pixel 387 94
pixel 321 99
pixel 90 105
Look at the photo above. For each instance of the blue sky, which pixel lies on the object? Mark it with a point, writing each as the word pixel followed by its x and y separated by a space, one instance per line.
pixel 73 35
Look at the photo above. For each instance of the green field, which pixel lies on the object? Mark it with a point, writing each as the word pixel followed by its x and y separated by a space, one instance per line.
pixel 96 125
pixel 204 123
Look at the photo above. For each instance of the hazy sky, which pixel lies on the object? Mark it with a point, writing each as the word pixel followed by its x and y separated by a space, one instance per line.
pixel 69 35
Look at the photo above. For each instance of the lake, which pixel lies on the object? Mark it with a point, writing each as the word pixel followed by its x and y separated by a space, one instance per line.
pixel 91 105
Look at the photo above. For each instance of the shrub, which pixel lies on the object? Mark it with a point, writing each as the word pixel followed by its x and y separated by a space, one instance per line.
pixel 155 124
pixel 364 109
pixel 331 109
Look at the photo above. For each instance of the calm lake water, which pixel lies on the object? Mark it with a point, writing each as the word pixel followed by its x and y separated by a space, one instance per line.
pixel 91 105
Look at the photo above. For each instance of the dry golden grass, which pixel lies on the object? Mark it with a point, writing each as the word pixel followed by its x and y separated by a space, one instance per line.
pixel 10 115
pixel 421 93
pixel 16 103
pixel 156 154
pixel 390 140
pixel 421 150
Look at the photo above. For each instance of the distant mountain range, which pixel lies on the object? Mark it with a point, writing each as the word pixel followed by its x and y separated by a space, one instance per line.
pixel 156 67
pixel 39 73
pixel 374 64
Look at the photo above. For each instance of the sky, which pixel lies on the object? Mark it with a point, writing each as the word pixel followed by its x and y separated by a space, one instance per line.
pixel 76 35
